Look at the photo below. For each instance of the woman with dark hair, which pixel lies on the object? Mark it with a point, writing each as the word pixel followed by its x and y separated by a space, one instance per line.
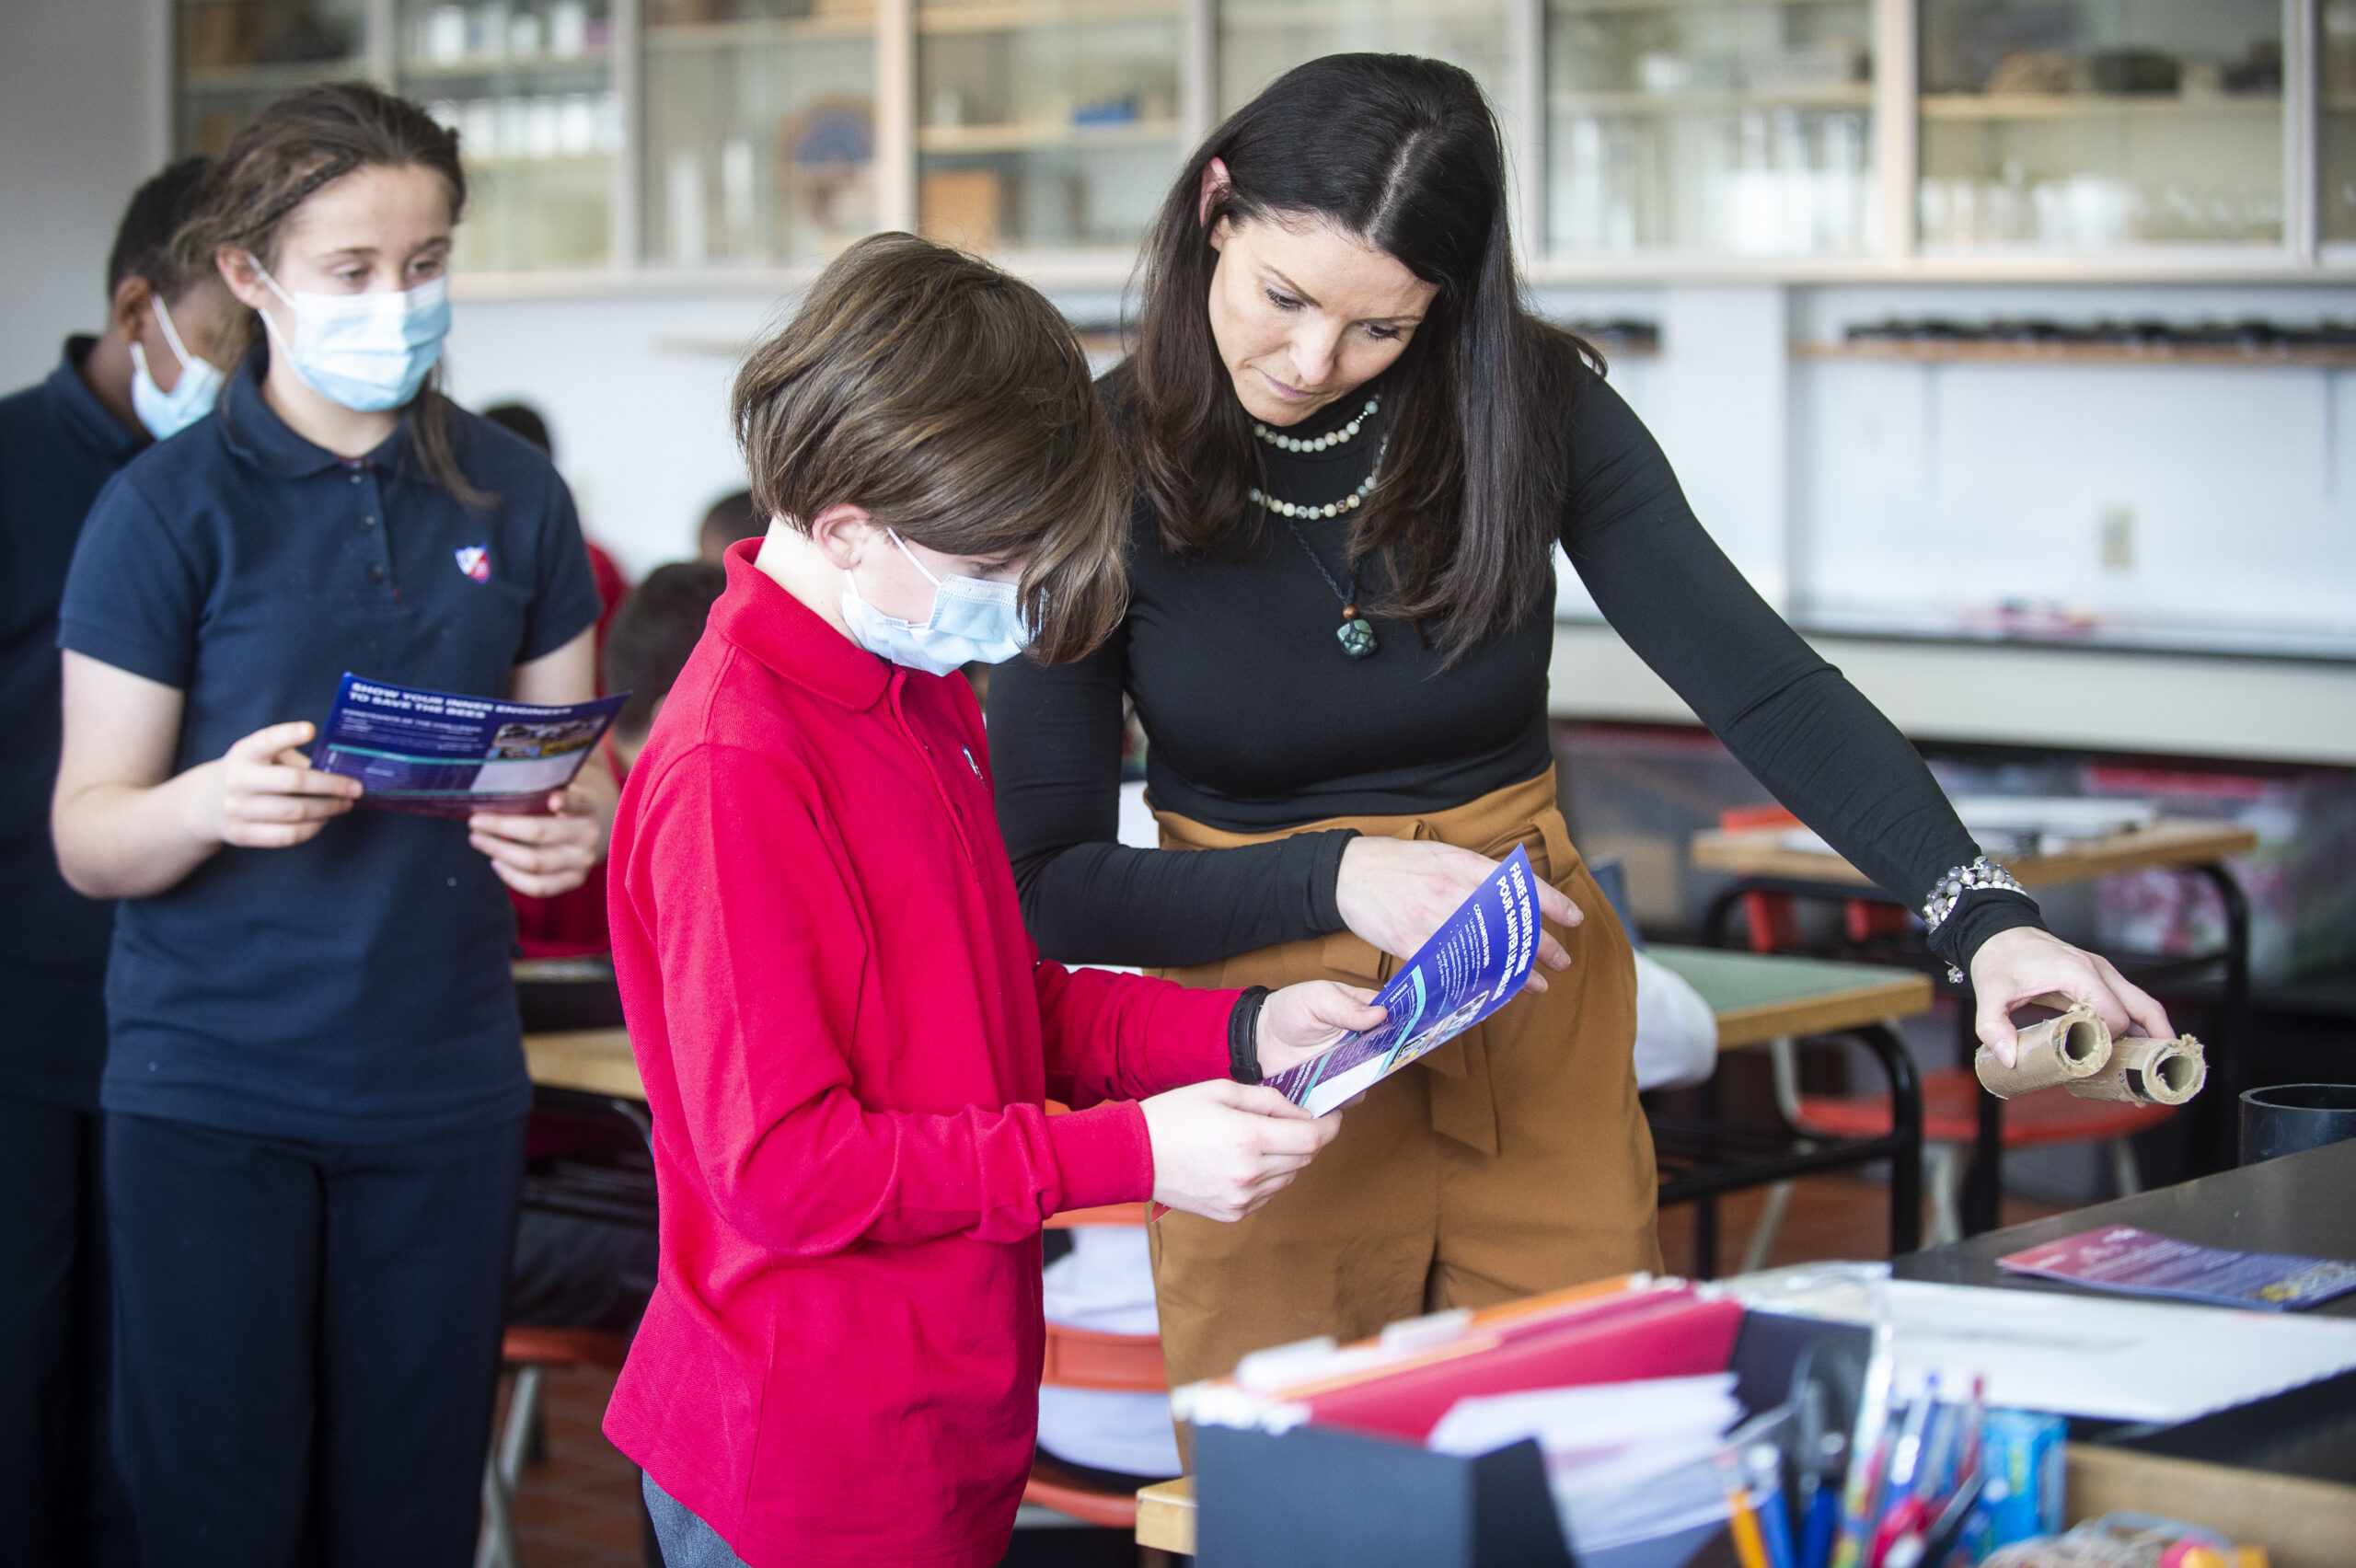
pixel 315 1090
pixel 1354 451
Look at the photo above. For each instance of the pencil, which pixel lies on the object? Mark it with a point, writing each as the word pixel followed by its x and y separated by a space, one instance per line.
pixel 1748 1545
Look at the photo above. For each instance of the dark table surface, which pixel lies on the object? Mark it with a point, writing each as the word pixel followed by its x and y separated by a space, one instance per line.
pixel 2302 1204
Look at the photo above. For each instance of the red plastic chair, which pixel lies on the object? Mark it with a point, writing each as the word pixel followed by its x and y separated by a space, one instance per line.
pixel 1086 1358
pixel 1769 917
pixel 1951 1126
pixel 530 1353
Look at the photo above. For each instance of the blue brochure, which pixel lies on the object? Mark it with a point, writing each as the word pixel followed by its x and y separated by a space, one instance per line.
pixel 440 754
pixel 1473 965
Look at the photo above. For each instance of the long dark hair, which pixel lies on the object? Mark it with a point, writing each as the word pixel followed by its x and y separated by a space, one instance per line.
pixel 278 160
pixel 1403 153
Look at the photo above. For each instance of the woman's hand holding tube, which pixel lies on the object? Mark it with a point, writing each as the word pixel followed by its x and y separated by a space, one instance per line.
pixel 1222 1149
pixel 1395 893
pixel 2024 964
pixel 1301 1022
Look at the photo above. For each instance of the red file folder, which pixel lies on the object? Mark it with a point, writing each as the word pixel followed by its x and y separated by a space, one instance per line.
pixel 1647 1333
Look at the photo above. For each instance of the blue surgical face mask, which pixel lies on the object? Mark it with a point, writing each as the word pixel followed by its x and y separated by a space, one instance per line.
pixel 192 397
pixel 368 351
pixel 972 621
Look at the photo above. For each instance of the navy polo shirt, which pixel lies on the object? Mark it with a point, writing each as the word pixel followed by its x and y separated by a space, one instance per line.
pixel 354 988
pixel 58 447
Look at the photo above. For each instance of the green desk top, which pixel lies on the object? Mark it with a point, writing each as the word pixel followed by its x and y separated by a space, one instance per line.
pixel 1759 996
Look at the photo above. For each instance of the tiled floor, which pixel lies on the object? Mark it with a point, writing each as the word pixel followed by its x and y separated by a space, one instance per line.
pixel 578 1507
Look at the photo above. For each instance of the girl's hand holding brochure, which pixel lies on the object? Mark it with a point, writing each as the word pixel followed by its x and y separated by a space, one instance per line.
pixel 543 856
pixel 1222 1150
pixel 267 794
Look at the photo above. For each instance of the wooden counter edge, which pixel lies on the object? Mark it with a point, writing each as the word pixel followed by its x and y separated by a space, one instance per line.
pixel 2301 1523
pixel 1166 1515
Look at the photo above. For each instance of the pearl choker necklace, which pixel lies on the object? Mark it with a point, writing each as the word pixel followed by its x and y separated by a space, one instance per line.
pixel 1349 502
pixel 1348 433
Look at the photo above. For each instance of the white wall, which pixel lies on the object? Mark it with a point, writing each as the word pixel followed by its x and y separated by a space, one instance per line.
pixel 1934 485
pixel 82 122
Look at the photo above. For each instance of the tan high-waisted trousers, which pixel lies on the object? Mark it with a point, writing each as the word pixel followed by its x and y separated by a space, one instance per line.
pixel 1511 1160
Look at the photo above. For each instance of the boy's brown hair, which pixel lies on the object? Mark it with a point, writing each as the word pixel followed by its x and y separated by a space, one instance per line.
pixel 950 402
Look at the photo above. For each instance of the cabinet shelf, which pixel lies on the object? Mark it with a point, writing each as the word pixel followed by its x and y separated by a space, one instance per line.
pixel 1031 138
pixel 2094 106
pixel 995 16
pixel 275 77
pixel 1732 100
pixel 1938 352
pixel 423 72
pixel 759 33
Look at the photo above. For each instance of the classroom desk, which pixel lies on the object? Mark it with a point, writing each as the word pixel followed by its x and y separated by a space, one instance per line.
pixel 1760 860
pixel 2300 1446
pixel 1760 997
pixel 2300 1203
pixel 587 1061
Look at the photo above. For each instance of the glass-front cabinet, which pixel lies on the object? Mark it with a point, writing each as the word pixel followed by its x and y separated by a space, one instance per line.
pixel 236 56
pixel 2102 124
pixel 1261 40
pixel 1741 127
pixel 760 129
pixel 1045 125
pixel 1782 134
pixel 529 85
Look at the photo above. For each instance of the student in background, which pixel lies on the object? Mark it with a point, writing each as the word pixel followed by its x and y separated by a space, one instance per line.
pixel 314 1088
pixel 571 925
pixel 659 626
pixel 846 1037
pixel 570 1268
pixel 731 518
pixel 149 375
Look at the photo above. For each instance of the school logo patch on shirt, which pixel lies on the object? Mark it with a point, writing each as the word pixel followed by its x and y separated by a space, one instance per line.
pixel 475 562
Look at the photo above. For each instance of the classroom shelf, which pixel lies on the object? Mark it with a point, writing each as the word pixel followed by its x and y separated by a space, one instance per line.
pixel 1936 351
pixel 1749 139
pixel 1021 138
pixel 425 74
pixel 760 32
pixel 2096 106
pixel 1731 101
pixel 993 16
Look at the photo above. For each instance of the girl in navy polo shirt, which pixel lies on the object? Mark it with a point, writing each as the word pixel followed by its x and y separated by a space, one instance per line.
pixel 315 1090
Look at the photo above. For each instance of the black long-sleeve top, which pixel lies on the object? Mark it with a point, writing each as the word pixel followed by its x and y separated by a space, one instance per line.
pixel 1259 721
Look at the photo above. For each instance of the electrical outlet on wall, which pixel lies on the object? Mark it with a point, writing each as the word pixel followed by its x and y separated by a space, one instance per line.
pixel 2115 538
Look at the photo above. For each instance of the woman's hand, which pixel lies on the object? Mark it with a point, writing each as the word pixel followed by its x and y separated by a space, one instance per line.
pixel 1222 1149
pixel 1395 893
pixel 543 856
pixel 2024 964
pixel 264 794
pixel 1302 1021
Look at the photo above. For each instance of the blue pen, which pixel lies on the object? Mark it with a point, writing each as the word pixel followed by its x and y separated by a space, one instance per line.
pixel 1767 1500
pixel 1822 1524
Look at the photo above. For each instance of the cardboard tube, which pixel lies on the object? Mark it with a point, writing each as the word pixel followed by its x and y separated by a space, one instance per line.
pixel 2148 1072
pixel 2061 1050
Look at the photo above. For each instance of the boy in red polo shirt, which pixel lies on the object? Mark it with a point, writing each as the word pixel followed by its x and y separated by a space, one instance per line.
pixel 845 1035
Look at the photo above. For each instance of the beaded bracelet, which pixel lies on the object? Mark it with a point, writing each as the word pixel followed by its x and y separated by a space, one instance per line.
pixel 1982 875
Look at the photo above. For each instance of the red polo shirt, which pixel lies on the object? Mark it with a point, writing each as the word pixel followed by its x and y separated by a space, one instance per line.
pixel 846 1037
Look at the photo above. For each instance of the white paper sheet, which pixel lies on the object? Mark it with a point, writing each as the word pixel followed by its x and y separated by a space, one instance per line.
pixel 2068 1353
